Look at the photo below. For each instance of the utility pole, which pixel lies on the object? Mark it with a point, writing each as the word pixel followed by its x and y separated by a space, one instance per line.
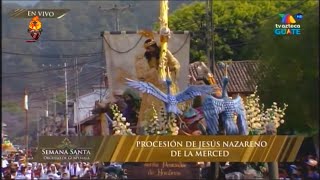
pixel 207 34
pixel 38 127
pixel 101 83
pixel 212 36
pixel 117 10
pixel 214 166
pixel 66 94
pixel 54 106
pixel 76 108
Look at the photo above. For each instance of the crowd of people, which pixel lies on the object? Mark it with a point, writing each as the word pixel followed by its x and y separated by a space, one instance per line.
pixel 305 167
pixel 14 166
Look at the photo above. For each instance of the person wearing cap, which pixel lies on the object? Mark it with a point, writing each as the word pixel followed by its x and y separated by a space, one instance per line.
pixel 29 171
pixel 311 170
pixel 147 70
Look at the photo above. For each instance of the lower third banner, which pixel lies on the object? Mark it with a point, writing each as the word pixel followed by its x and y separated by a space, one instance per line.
pixel 169 149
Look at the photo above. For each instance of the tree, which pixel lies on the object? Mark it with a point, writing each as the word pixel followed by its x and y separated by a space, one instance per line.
pixel 290 73
pixel 12 107
pixel 236 25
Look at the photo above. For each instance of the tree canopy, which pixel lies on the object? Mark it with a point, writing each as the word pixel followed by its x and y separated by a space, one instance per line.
pixel 290 73
pixel 236 26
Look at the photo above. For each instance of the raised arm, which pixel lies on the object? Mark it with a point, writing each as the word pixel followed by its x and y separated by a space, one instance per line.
pixel 173 63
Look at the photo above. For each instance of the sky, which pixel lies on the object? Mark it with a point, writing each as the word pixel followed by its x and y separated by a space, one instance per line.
pixel 23 3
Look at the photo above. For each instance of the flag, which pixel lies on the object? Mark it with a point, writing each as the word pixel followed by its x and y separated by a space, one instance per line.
pixel 26 106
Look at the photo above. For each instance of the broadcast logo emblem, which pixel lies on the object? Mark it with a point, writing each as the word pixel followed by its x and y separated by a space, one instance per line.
pixel 35 28
pixel 289 25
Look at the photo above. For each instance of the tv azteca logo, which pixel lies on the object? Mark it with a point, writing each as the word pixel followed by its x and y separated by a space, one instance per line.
pixel 289 25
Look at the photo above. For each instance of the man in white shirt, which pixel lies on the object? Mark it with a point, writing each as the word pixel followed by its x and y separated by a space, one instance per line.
pixel 4 162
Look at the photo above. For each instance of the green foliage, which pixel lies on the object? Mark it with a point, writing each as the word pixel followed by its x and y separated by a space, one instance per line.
pixel 61 98
pixel 290 70
pixel 236 25
pixel 12 107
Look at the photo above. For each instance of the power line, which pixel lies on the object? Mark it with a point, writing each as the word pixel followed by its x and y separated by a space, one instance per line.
pixel 54 84
pixel 57 40
pixel 43 74
pixel 57 83
pixel 39 97
pixel 56 68
pixel 57 56
pixel 17 74
pixel 94 54
pixel 60 83
pixel 117 9
pixel 69 87
pixel 44 71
